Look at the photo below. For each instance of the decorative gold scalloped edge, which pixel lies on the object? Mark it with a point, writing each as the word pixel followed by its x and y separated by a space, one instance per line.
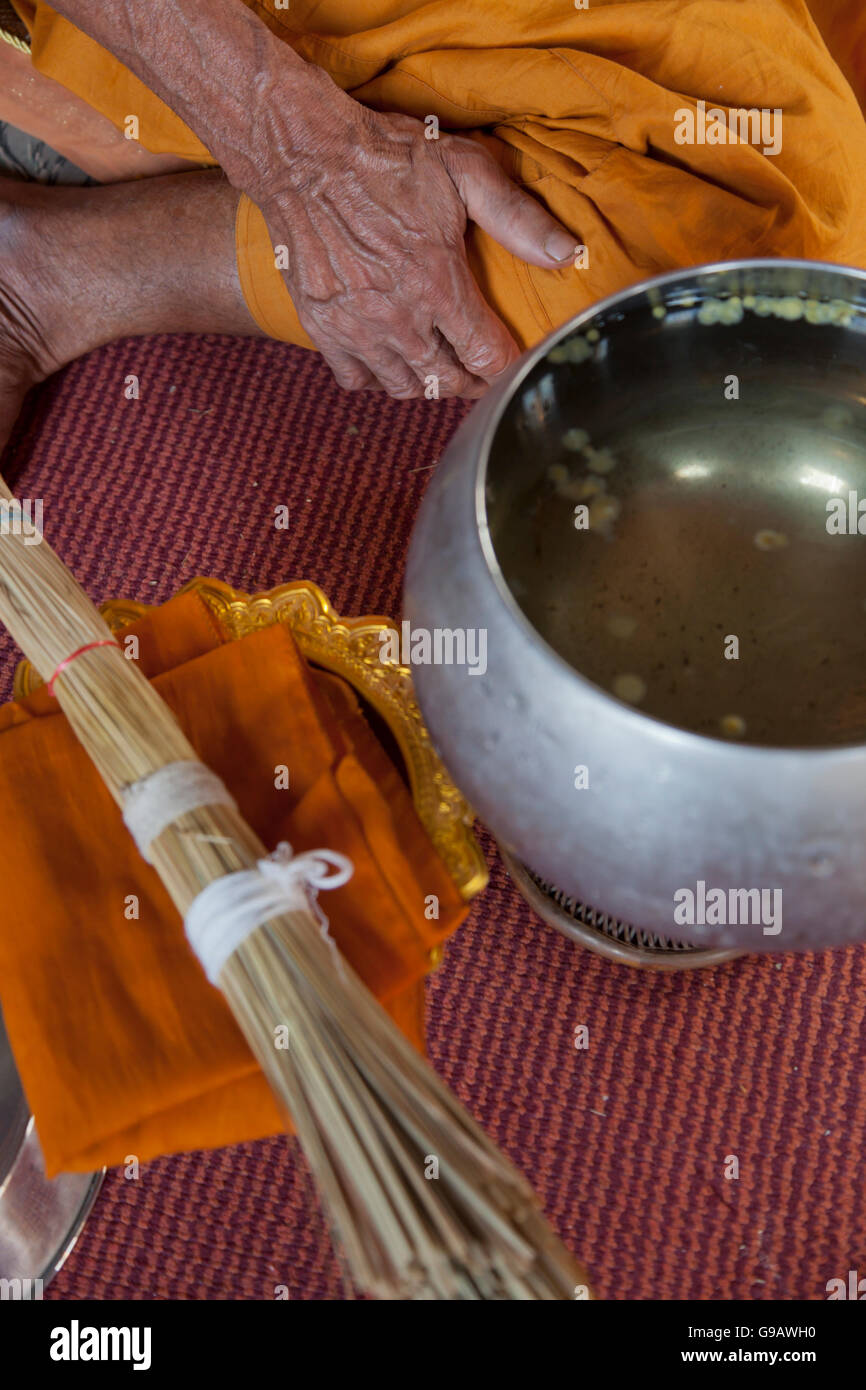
pixel 348 647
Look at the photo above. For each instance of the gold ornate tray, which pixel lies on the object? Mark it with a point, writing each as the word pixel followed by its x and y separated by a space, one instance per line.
pixel 348 647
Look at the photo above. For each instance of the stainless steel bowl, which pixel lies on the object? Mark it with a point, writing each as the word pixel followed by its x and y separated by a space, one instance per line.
pixel 39 1219
pixel 706 420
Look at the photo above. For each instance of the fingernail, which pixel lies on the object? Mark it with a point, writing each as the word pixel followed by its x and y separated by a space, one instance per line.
pixel 560 246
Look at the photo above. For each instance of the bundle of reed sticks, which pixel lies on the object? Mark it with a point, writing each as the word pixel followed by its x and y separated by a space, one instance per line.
pixel 370 1113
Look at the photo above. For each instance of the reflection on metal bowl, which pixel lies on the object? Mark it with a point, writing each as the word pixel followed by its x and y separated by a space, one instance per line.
pixel 39 1219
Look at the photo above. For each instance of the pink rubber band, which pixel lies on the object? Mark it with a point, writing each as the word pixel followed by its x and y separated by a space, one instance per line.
pixel 68 660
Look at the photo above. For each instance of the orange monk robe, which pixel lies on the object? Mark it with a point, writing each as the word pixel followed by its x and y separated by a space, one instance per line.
pixel 582 108
pixel 843 25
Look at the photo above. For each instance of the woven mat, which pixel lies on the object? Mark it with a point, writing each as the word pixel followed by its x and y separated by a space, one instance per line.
pixel 626 1142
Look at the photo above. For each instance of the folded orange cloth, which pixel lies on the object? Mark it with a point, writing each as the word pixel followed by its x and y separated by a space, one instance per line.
pixel 122 1045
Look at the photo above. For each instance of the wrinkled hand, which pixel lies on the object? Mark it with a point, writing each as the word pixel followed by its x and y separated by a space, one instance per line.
pixel 374 228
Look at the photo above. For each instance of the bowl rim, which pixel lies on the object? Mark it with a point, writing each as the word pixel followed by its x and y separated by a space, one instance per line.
pixel 637 718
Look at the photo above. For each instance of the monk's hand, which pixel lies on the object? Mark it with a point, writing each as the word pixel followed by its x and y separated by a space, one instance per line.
pixel 373 223
pixel 372 213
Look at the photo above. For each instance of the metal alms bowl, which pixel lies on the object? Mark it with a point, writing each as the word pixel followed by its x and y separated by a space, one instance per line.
pixel 654 521
pixel 40 1218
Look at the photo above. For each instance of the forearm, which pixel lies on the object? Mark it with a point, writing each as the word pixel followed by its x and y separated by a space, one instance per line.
pixel 227 77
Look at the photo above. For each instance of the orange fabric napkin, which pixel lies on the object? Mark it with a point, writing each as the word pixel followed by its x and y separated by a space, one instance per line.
pixel 122 1045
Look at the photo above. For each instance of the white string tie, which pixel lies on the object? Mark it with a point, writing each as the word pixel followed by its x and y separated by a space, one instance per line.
pixel 157 801
pixel 230 908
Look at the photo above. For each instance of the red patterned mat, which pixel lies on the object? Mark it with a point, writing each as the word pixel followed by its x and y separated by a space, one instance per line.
pixel 625 1142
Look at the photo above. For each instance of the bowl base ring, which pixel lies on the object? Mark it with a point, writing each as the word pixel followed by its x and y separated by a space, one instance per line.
pixel 605 935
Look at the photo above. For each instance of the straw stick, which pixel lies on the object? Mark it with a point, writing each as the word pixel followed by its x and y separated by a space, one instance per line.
pixel 370 1113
